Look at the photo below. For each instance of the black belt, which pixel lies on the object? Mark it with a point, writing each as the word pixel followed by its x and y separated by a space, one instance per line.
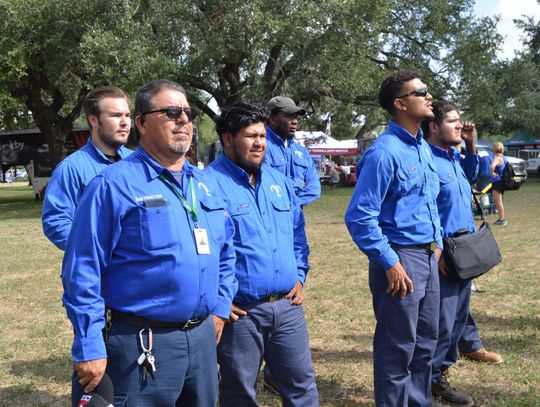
pixel 142 322
pixel 425 246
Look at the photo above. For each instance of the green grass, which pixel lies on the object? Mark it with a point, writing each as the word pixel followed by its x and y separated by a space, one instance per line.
pixel 35 336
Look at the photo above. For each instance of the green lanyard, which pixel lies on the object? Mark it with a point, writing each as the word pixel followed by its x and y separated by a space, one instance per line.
pixel 191 209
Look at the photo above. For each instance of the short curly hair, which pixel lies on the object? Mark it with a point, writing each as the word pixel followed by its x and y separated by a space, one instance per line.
pixel 392 86
pixel 239 115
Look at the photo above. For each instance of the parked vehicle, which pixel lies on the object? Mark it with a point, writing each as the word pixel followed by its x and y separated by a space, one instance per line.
pixel 533 160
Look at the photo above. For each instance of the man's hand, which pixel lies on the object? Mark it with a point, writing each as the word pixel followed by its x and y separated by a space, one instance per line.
pixel 398 280
pixel 468 134
pixel 438 254
pixel 90 373
pixel 236 313
pixel 443 268
pixel 297 294
pixel 218 326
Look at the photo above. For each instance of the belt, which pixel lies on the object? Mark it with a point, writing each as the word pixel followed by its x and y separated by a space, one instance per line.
pixel 142 322
pixel 425 246
pixel 272 298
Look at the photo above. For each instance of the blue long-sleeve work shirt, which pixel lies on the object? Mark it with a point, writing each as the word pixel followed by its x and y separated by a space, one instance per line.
pixel 132 248
pixel 270 240
pixel 395 198
pixel 293 161
pixel 454 200
pixel 67 183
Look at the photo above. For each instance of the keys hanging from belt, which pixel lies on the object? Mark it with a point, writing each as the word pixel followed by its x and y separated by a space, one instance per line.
pixel 146 360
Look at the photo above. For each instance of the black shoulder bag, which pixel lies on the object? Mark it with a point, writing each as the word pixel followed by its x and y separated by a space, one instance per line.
pixel 469 255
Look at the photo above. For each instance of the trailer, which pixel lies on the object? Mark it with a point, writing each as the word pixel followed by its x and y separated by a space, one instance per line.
pixel 29 148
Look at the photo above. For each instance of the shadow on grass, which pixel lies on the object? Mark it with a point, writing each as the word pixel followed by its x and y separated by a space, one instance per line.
pixel 340 356
pixel 517 322
pixel 495 395
pixel 25 395
pixel 55 369
pixel 336 394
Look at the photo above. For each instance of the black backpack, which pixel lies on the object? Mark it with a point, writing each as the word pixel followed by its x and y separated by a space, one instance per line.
pixel 508 176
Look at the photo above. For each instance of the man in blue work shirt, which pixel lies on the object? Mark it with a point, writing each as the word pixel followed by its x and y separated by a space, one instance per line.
pixel 444 132
pixel 109 118
pixel 151 243
pixel 285 154
pixel 393 219
pixel 267 319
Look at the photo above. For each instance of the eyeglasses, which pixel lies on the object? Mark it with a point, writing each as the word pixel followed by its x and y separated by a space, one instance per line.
pixel 174 112
pixel 420 92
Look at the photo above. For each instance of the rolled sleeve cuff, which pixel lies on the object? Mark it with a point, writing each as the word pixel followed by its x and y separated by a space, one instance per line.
pixel 222 308
pixel 85 349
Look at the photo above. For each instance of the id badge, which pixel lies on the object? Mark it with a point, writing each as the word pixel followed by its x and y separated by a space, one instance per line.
pixel 201 238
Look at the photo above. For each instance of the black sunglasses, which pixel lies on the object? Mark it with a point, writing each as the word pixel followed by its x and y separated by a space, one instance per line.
pixel 174 112
pixel 420 92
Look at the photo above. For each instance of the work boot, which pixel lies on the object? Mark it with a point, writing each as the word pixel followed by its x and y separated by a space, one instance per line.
pixel 483 355
pixel 448 395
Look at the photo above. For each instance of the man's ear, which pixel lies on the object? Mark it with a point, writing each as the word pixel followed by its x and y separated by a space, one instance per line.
pixel 399 105
pixel 433 128
pixel 227 139
pixel 139 122
pixel 93 120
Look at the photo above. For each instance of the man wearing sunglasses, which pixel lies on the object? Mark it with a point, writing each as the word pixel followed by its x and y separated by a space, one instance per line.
pixel 285 154
pixel 393 218
pixel 109 118
pixel 150 259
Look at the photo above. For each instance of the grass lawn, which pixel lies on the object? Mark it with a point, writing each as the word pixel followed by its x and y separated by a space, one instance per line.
pixel 35 335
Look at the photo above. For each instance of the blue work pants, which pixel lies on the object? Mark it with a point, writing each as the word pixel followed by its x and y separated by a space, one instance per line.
pixel 186 367
pixel 470 339
pixel 276 332
pixel 406 331
pixel 454 309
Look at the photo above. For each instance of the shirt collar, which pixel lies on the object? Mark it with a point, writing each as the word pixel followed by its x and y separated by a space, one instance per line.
pixel 155 169
pixel 404 135
pixel 451 154
pixel 235 170
pixel 122 151
pixel 272 135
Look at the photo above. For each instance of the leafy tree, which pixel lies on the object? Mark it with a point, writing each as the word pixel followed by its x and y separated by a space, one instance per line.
pixel 53 51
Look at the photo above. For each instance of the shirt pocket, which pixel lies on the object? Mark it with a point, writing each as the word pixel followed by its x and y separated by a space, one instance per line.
pixel 245 226
pixel 158 229
pixel 410 179
pixel 214 212
pixel 282 212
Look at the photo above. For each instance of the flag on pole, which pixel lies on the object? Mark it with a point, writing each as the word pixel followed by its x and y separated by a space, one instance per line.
pixel 328 125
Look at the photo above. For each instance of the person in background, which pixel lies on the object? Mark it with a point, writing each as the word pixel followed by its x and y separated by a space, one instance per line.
pixel 394 220
pixel 497 168
pixel 109 118
pixel 285 154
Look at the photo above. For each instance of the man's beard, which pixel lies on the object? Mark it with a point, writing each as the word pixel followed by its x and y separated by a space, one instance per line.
pixel 108 139
pixel 179 148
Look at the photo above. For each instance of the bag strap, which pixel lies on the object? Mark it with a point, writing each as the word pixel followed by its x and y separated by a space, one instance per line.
pixel 478 207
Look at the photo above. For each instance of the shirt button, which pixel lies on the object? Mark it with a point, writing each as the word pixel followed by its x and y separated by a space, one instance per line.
pixel 269 230
pixel 274 250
